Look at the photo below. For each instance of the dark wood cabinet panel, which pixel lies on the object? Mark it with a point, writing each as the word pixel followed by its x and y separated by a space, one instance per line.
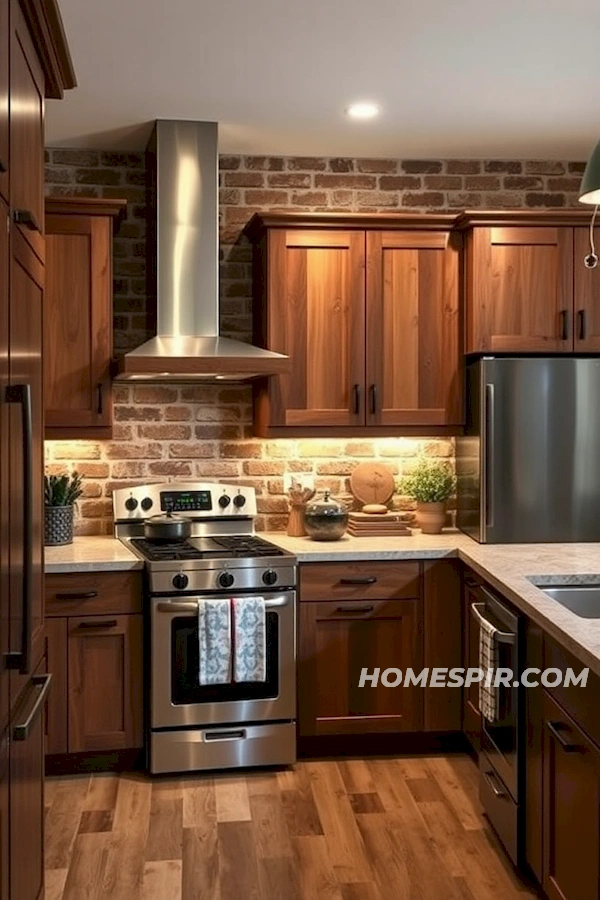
pixel 373 580
pixel 4 815
pixel 78 316
pixel 105 683
pixel 93 593
pixel 315 313
pixel 27 90
pixel 442 641
pixel 58 699
pixel 4 92
pixel 471 713
pixel 519 289
pixel 414 371
pixel 338 640
pixel 586 332
pixel 534 754
pixel 4 467
pixel 571 808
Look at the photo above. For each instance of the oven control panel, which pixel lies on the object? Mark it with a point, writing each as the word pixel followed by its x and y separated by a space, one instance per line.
pixel 198 500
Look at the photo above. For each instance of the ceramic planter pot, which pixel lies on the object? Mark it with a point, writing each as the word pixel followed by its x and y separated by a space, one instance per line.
pixel 431 517
pixel 58 525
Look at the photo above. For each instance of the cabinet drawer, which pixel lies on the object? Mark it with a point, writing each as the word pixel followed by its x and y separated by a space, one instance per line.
pixel 360 581
pixel 94 593
pixel 581 703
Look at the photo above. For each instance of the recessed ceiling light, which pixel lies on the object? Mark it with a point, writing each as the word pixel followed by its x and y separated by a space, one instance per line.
pixel 363 110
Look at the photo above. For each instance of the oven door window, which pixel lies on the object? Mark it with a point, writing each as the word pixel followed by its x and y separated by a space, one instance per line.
pixel 185 664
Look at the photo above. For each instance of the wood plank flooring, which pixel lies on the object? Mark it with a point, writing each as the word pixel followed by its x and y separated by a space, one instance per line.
pixel 407 828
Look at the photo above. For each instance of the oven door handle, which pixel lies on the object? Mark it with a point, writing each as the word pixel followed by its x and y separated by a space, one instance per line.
pixel 504 637
pixel 191 606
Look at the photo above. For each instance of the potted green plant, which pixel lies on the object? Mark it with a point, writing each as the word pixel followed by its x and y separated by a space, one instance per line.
pixel 430 485
pixel 60 494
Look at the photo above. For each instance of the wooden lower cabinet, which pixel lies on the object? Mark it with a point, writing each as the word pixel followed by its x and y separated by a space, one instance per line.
pixel 337 640
pixel 571 805
pixel 471 713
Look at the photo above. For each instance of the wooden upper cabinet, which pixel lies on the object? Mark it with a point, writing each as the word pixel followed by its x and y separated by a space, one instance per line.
pixel 413 337
pixel 586 333
pixel 78 316
pixel 316 315
pixel 4 82
pixel 27 88
pixel 367 307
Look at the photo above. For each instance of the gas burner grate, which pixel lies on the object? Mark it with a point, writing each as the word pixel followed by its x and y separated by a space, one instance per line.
pixel 247 545
pixel 163 552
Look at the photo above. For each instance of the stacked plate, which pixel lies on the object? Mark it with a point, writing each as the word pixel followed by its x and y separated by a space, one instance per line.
pixel 384 525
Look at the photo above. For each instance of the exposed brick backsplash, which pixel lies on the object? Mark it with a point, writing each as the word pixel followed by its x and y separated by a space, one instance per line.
pixel 166 433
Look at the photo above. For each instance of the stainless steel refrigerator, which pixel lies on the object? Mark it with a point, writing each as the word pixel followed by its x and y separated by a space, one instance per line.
pixel 528 466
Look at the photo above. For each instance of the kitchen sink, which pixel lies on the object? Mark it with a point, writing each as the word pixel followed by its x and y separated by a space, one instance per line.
pixel 582 599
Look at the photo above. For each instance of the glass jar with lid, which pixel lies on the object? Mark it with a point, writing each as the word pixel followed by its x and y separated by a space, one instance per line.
pixel 325 518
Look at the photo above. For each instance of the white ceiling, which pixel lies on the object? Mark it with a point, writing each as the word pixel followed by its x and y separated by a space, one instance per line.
pixel 472 78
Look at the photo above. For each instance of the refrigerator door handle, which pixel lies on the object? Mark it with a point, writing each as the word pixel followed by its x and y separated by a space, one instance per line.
pixel 489 440
pixel 21 394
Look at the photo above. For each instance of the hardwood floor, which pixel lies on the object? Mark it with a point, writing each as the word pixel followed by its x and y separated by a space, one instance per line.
pixel 376 829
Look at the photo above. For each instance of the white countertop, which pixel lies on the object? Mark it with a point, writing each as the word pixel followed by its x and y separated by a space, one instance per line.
pixel 90 554
pixel 507 567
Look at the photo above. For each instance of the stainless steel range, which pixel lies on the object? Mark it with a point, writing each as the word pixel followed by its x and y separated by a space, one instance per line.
pixel 193 726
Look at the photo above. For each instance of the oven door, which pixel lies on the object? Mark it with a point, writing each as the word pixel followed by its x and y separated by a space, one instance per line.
pixel 176 697
pixel 500 738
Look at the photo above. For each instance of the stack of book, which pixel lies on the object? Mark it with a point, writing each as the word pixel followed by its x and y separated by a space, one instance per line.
pixel 370 525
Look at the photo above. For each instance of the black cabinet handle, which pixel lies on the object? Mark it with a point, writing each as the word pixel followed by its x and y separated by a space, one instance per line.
pixel 373 396
pixel 105 623
pixel 2 166
pixel 21 394
pixel 355 609
pixel 364 580
pixel 99 389
pixel 581 318
pixel 556 729
pixel 564 324
pixel 26 217
pixel 42 684
pixel 490 777
pixel 356 393
pixel 77 595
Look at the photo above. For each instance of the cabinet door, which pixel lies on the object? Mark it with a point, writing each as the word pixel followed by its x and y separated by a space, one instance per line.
pixel 105 683
pixel 414 373
pixel 471 713
pixel 25 365
pixel 27 800
pixel 571 808
pixel 316 291
pixel 26 132
pixel 4 468
pixel 77 323
pixel 4 815
pixel 442 641
pixel 57 705
pixel 338 640
pixel 4 76
pixel 587 294
pixel 520 290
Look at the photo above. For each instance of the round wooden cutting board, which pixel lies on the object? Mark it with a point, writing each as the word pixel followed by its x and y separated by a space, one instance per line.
pixel 372 483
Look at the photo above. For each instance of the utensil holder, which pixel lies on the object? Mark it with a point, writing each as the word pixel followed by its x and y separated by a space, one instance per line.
pixel 296 526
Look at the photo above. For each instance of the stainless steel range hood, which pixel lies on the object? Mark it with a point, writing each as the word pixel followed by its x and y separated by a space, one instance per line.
pixel 183 263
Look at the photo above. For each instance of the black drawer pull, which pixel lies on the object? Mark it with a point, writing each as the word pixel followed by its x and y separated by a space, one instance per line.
pixel 556 729
pixel 77 595
pixel 41 683
pixel 355 609
pixel 2 167
pixel 26 217
pixel 105 623
pixel 368 580
pixel 490 777
pixel 99 390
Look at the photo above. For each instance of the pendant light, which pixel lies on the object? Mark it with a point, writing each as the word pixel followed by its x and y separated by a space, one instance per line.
pixel 589 192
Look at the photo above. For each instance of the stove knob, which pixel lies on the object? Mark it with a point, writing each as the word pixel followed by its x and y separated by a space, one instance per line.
pixel 180 581
pixel 224 501
pixel 239 500
pixel 225 579
pixel 131 504
pixel 147 503
pixel 269 577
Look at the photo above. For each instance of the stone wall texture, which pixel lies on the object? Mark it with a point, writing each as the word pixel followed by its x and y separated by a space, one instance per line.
pixel 164 432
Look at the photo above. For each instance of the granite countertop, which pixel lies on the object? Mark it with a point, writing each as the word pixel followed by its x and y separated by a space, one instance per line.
pixel 90 554
pixel 507 567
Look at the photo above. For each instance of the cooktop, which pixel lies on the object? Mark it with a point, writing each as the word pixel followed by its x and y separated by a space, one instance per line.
pixel 218 547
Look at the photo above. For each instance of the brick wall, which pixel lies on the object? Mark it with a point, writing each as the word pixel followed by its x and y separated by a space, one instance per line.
pixel 206 432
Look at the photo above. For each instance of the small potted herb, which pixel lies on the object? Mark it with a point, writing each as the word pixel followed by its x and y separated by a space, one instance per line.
pixel 430 485
pixel 60 494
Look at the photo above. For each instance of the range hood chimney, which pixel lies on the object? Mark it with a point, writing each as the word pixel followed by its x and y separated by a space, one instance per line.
pixel 183 262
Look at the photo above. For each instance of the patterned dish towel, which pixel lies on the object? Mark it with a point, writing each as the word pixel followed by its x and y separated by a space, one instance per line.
pixel 249 635
pixel 488 659
pixel 214 635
